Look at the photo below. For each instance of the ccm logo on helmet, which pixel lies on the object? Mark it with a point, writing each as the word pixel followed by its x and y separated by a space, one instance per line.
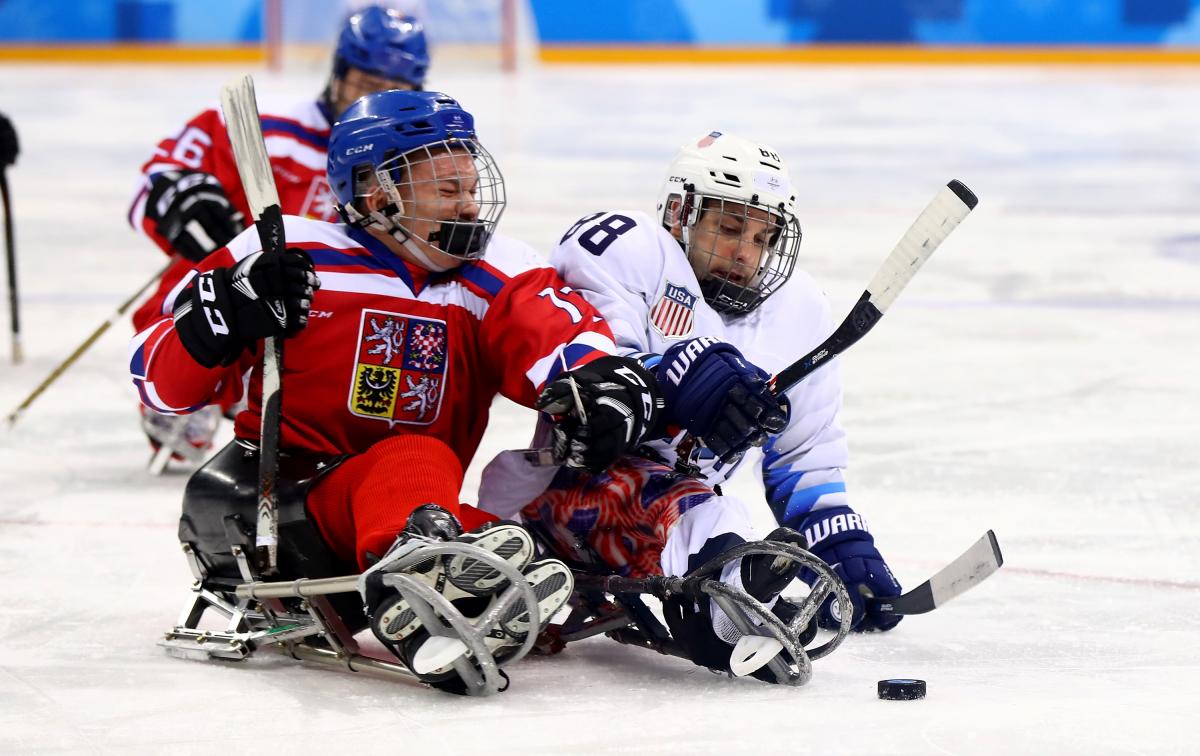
pixel 360 148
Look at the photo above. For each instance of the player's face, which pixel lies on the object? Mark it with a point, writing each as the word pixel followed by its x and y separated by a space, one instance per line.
pixel 358 83
pixel 729 240
pixel 443 187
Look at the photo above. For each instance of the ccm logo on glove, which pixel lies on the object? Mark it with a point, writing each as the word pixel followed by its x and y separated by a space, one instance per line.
pixel 266 294
pixel 207 291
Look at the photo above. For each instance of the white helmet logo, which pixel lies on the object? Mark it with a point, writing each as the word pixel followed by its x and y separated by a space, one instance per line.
pixel 774 183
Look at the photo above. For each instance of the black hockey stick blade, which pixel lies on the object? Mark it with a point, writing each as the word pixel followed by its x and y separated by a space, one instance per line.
pixel 967 571
pixel 928 231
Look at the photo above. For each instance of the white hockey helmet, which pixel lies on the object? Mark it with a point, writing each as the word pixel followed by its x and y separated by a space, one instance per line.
pixel 747 248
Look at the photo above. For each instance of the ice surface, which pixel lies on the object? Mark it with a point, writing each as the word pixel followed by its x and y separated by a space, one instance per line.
pixel 1039 377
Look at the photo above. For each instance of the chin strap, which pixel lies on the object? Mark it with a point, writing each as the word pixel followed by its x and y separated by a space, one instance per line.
pixel 416 251
pixel 386 220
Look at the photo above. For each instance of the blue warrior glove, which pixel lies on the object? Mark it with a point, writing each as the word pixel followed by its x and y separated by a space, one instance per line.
pixel 719 397
pixel 839 537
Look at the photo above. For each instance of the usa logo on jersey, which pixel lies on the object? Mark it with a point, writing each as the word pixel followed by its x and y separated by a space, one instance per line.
pixel 674 314
pixel 400 371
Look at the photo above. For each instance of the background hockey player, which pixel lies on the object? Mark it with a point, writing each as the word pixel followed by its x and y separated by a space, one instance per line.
pixel 191 200
pixel 403 323
pixel 711 277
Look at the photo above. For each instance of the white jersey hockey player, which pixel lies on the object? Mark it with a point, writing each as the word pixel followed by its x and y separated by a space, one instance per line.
pixel 710 278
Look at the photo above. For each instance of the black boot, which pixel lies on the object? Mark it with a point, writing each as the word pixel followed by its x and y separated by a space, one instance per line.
pixel 765 576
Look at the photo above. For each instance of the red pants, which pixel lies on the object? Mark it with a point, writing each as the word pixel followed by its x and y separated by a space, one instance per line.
pixel 363 504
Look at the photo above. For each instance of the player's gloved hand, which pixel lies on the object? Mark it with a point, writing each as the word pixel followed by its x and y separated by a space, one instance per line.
pixel 8 142
pixel 839 537
pixel 620 403
pixel 714 393
pixel 192 212
pixel 227 310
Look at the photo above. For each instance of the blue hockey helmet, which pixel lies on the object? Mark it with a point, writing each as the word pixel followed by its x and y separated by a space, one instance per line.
pixel 383 42
pixel 381 143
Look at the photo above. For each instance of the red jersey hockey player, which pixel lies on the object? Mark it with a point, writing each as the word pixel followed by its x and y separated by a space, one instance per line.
pixel 191 200
pixel 403 324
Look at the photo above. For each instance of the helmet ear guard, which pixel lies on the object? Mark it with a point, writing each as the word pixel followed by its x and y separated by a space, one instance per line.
pixel 681 209
pixel 368 180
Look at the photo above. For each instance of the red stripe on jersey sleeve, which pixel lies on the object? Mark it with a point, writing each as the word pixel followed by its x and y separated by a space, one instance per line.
pixel 530 319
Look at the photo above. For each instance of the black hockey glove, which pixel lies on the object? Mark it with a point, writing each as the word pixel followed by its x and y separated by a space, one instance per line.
pixel 714 393
pixel 229 309
pixel 620 404
pixel 8 142
pixel 192 212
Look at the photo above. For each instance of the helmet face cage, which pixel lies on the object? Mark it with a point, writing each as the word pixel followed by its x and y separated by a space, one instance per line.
pixel 741 250
pixel 448 194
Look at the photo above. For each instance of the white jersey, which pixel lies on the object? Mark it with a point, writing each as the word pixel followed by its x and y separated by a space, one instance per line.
pixel 635 273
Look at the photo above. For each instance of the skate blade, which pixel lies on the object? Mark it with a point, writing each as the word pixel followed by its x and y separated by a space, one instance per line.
pixel 437 652
pixel 753 652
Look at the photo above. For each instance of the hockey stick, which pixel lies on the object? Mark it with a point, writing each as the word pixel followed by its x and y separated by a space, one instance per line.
pixel 930 229
pixel 970 569
pixel 941 216
pixel 254 167
pixel 15 415
pixel 14 322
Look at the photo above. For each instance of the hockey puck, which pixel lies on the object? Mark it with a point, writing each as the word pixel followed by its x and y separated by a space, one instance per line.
pixel 901 690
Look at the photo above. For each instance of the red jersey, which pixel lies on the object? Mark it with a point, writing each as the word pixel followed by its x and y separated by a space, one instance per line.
pixel 389 348
pixel 296 145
